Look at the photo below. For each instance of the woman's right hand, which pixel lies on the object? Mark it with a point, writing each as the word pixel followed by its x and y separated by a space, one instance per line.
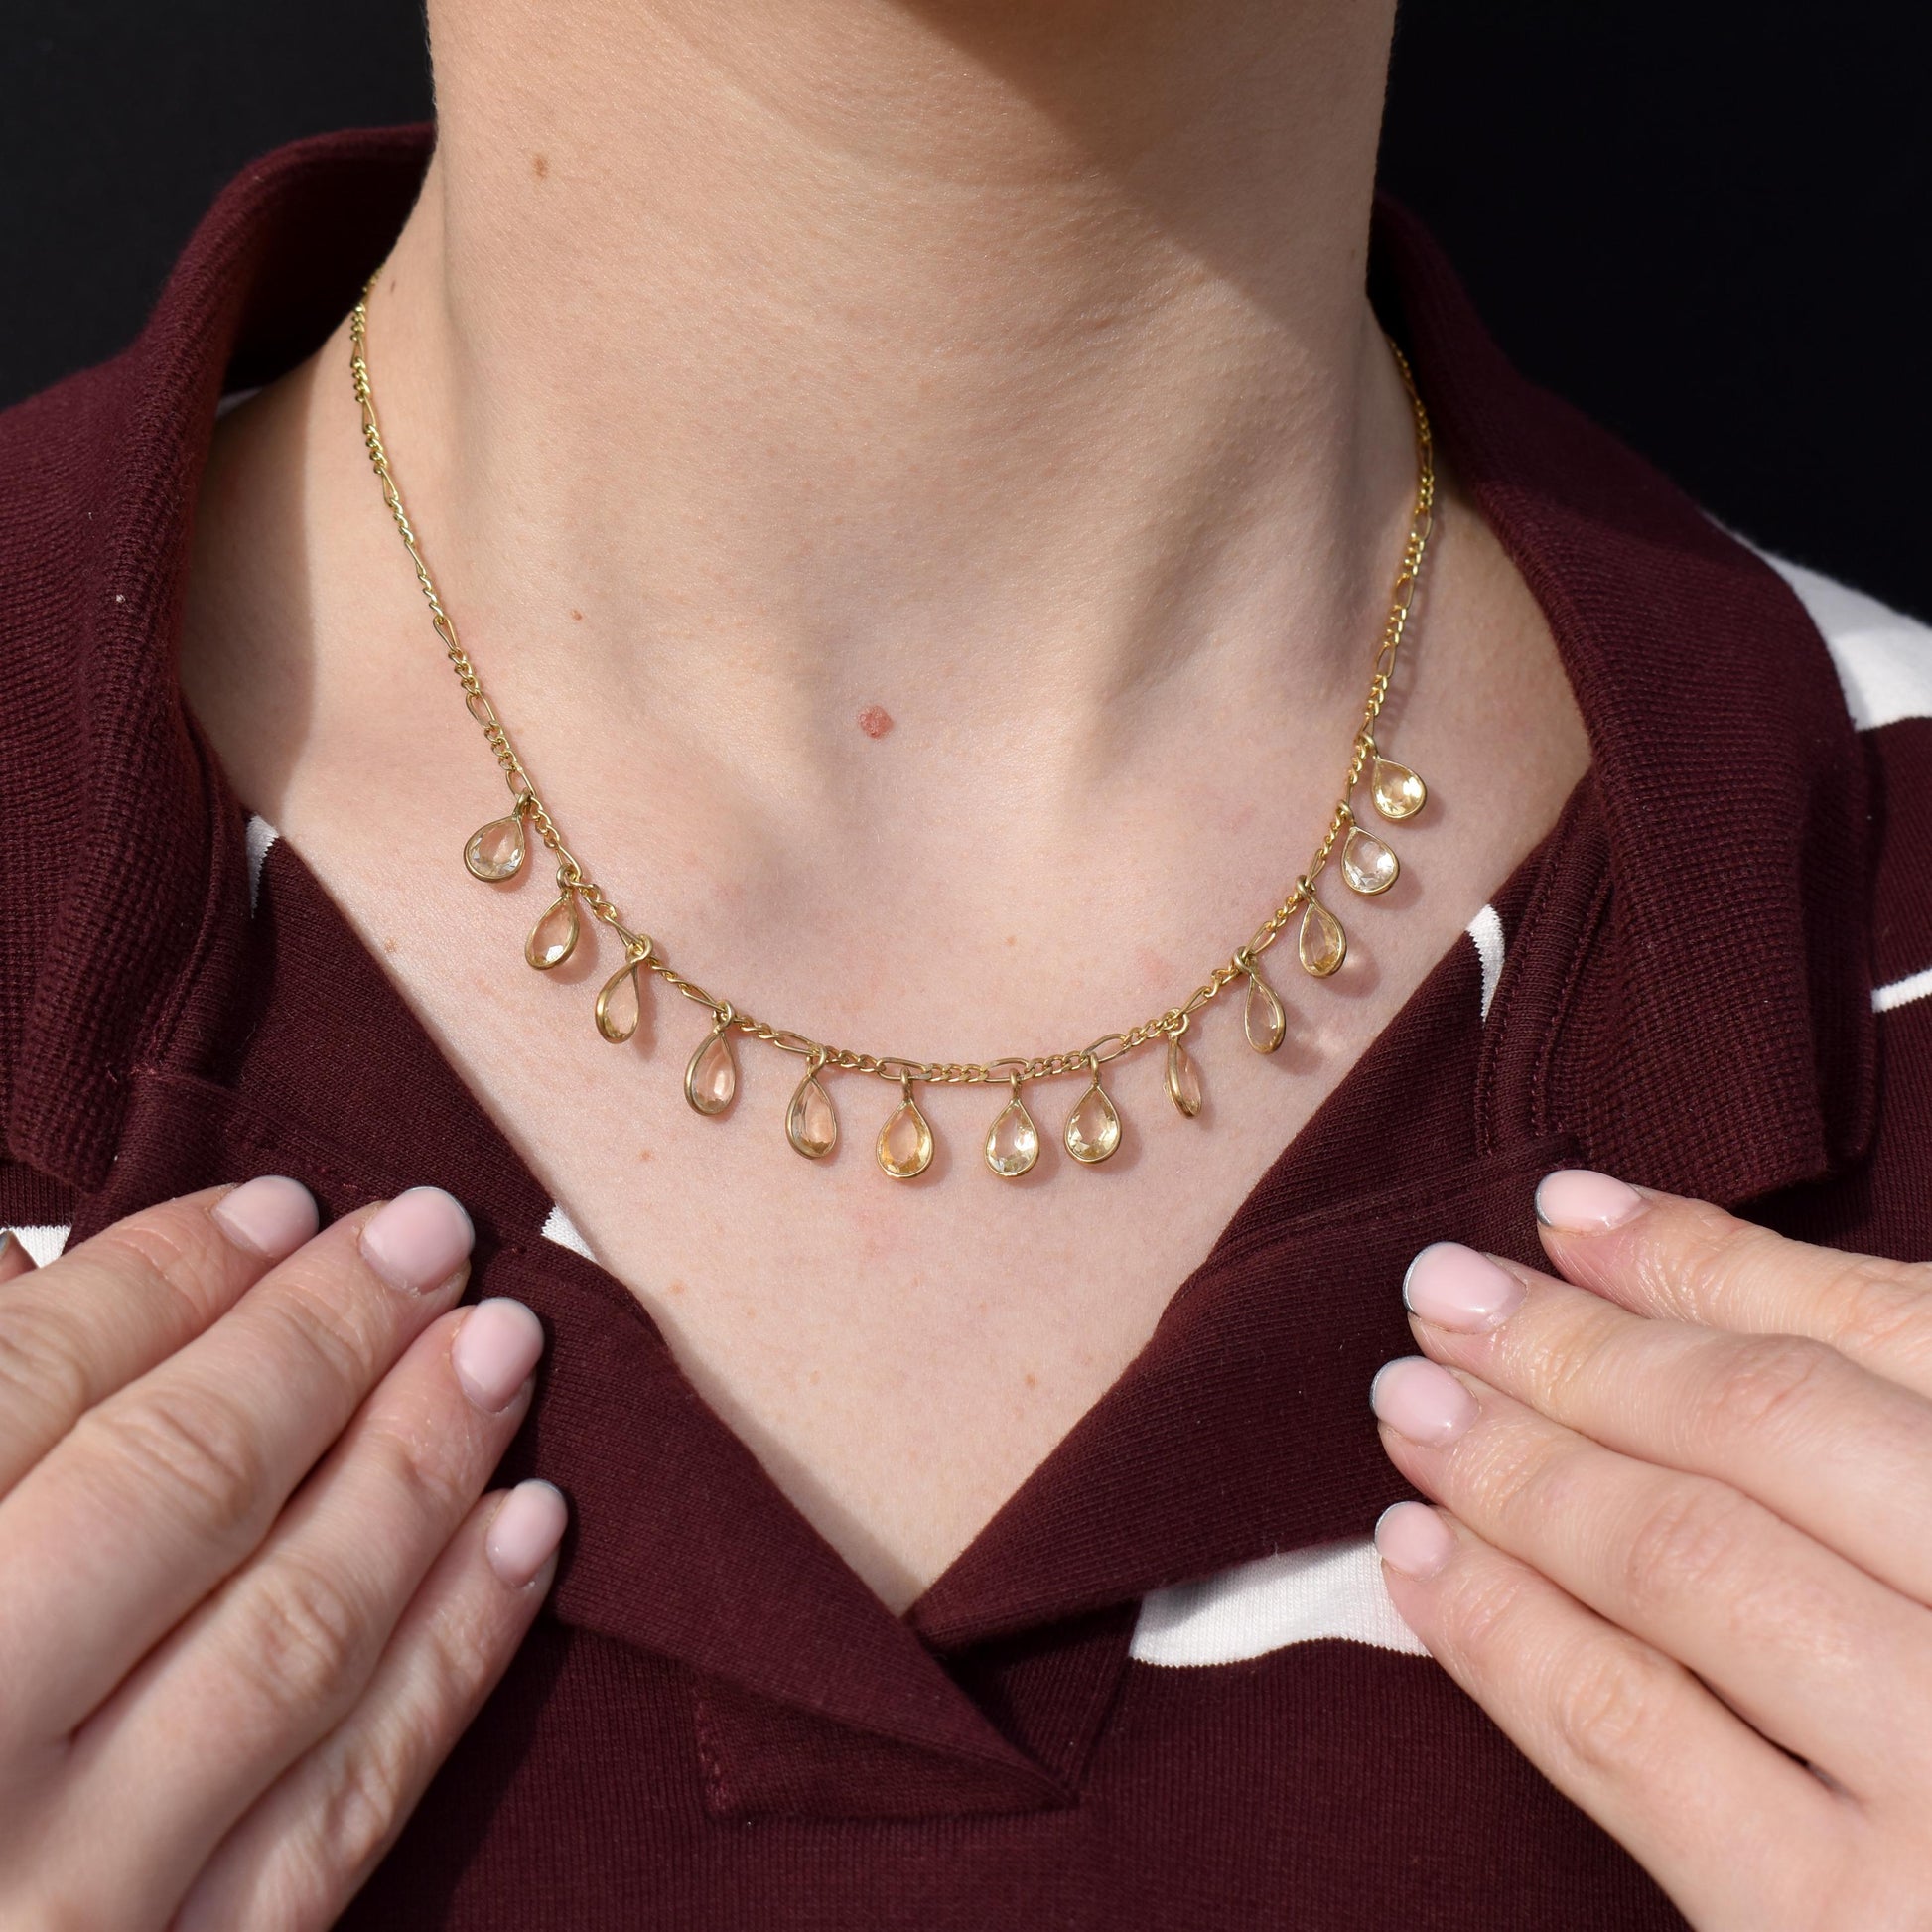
pixel 251 1597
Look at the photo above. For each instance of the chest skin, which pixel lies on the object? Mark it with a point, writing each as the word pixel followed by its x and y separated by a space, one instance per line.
pixel 898 1355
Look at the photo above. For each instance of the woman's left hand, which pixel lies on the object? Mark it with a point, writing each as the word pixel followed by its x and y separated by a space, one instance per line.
pixel 1685 1550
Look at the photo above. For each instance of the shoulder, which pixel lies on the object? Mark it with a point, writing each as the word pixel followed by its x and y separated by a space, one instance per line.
pixel 56 475
pixel 124 875
pixel 1884 660
pixel 1883 657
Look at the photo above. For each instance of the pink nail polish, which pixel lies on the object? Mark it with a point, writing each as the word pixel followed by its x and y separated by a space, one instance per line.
pixel 525 1531
pixel 1455 1287
pixel 1412 1537
pixel 419 1239
pixel 494 1351
pixel 1574 1201
pixel 270 1215
pixel 1422 1401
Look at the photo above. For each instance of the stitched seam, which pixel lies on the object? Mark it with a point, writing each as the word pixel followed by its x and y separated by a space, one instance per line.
pixel 1492 1134
pixel 1541 1078
pixel 710 1773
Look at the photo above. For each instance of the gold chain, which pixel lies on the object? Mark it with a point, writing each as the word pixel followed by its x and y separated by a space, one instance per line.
pixel 1397 793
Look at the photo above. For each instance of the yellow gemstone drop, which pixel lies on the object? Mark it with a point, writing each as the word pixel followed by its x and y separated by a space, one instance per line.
pixel 1012 1140
pixel 906 1142
pixel 1397 791
pixel 1366 863
pixel 1323 945
pixel 620 1004
pixel 1263 1020
pixel 1093 1127
pixel 553 938
pixel 495 850
pixel 811 1123
pixel 1184 1077
pixel 710 1079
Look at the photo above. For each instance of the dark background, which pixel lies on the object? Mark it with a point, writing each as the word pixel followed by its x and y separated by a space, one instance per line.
pixel 1704 226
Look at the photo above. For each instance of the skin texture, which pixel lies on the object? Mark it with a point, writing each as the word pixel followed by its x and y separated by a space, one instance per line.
pixel 254 1684
pixel 1684 1494
pixel 1007 369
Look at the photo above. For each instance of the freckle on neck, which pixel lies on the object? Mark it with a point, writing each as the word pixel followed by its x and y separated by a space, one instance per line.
pixel 539 164
pixel 875 721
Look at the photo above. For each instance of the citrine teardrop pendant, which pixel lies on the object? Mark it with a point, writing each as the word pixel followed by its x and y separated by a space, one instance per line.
pixel 1397 791
pixel 621 1003
pixel 1322 944
pixel 495 850
pixel 711 1077
pixel 810 1124
pixel 1093 1127
pixel 1263 1020
pixel 553 938
pixel 906 1142
pixel 1012 1140
pixel 1183 1078
pixel 1368 866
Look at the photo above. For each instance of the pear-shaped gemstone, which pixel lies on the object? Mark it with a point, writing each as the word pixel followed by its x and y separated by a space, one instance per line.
pixel 711 1078
pixel 1323 945
pixel 553 938
pixel 1397 791
pixel 1184 1077
pixel 620 1004
pixel 495 850
pixel 1264 1022
pixel 1093 1127
pixel 1366 863
pixel 906 1142
pixel 1012 1140
pixel 811 1123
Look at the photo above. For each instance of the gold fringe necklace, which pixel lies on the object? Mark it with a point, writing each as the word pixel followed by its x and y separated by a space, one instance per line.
pixel 904 1145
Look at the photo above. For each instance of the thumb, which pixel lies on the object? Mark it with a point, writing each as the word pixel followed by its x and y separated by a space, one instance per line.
pixel 14 1258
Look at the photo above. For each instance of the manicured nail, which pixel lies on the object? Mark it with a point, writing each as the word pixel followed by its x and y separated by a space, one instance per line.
pixel 271 1215
pixel 419 1239
pixel 1573 1200
pixel 1457 1287
pixel 523 1532
pixel 1414 1539
pixel 14 1258
pixel 495 1349
pixel 1422 1401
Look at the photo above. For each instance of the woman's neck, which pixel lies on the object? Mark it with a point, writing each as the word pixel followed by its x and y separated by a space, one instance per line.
pixel 1006 368
pixel 966 361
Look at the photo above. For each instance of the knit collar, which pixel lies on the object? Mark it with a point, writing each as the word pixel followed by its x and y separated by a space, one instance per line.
pixel 1685 998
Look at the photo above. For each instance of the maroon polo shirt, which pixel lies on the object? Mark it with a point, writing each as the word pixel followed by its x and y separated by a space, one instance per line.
pixel 1109 1711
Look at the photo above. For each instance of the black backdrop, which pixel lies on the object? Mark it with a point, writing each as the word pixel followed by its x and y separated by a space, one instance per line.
pixel 1702 225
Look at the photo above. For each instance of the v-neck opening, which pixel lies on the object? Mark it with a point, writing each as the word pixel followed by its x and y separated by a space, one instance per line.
pixel 1230 1240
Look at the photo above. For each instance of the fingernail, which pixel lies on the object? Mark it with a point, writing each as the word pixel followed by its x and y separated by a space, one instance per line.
pixel 1457 1287
pixel 15 1261
pixel 494 1351
pixel 1414 1539
pixel 419 1239
pixel 525 1531
pixel 1422 1401
pixel 1573 1200
pixel 271 1215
